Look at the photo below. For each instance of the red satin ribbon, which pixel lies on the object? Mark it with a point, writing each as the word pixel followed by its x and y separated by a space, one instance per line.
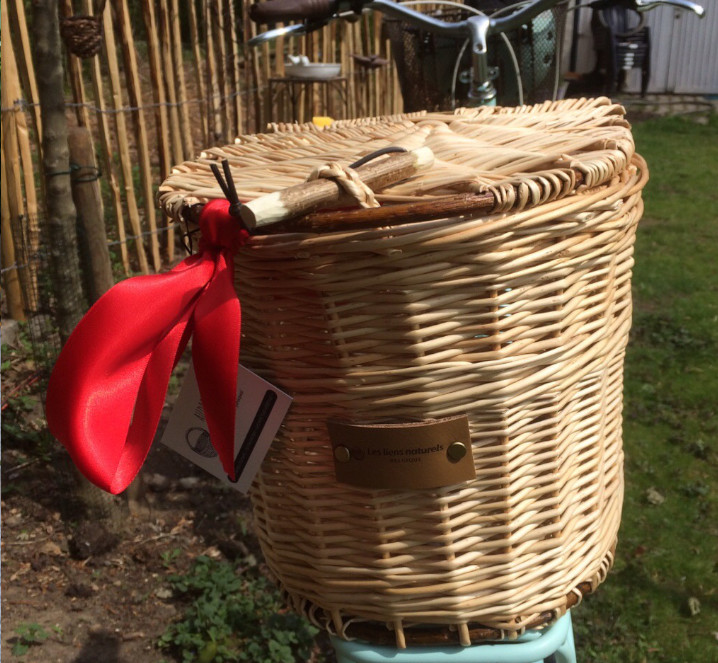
pixel 108 387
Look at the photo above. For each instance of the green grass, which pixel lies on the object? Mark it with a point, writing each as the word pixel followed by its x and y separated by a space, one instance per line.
pixel 660 604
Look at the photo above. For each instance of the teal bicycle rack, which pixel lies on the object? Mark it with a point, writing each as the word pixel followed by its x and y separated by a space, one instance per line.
pixel 553 644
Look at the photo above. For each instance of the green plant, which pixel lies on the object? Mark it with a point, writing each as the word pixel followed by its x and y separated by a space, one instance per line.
pixel 658 605
pixel 232 618
pixel 169 556
pixel 28 635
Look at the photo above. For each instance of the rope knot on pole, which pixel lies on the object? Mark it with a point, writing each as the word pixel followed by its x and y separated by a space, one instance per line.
pixel 348 179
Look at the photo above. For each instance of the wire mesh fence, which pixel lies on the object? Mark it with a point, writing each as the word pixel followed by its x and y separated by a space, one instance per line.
pixel 39 300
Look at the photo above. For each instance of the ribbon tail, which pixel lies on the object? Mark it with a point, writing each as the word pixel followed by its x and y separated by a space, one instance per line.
pixel 107 390
pixel 215 355
pixel 149 404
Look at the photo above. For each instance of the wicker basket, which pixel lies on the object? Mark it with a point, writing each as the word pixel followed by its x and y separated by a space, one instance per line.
pixel 518 319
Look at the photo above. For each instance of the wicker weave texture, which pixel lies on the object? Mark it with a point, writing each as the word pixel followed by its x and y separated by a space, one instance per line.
pixel 518 319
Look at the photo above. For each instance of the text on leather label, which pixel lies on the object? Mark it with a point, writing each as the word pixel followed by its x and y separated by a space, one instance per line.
pixel 415 455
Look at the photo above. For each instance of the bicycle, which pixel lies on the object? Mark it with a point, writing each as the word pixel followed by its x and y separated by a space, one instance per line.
pixel 475 32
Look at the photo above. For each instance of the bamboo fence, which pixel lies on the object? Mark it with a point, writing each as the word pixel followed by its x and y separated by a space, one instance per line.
pixel 170 80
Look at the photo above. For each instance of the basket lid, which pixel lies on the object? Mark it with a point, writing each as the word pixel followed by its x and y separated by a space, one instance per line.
pixel 519 157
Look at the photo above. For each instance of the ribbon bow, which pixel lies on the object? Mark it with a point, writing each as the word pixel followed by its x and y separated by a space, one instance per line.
pixel 107 390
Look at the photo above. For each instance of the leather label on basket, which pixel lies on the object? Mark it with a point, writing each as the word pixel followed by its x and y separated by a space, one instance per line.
pixel 428 454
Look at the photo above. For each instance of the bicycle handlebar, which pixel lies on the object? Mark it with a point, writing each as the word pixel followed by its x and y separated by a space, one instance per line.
pixel 292 10
pixel 476 28
pixel 273 11
pixel 646 5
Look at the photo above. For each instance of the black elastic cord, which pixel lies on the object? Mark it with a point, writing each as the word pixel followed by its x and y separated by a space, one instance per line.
pixel 374 155
pixel 186 239
pixel 93 174
pixel 220 180
pixel 234 202
pixel 96 173
pixel 226 183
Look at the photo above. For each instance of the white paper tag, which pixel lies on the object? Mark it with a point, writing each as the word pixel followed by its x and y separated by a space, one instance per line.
pixel 260 411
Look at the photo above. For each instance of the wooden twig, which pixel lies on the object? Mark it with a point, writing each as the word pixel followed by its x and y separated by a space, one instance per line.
pixel 465 204
pixel 387 215
pixel 306 197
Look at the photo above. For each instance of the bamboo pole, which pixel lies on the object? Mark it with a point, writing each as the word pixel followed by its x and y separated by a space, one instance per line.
pixel 263 86
pixel 103 125
pixel 344 58
pixel 246 95
pixel 158 92
pixel 214 99
pixel 279 102
pixel 199 79
pixel 28 171
pixel 126 162
pixel 15 133
pixel 279 54
pixel 328 47
pixel 74 72
pixel 185 122
pixel 27 89
pixel 15 12
pixel 389 79
pixel 169 80
pixel 251 31
pixel 32 238
pixel 12 199
pixel 353 31
pixel 316 90
pixel 378 72
pixel 134 92
pixel 398 98
pixel 162 131
pixel 233 49
pixel 11 277
pixel 221 51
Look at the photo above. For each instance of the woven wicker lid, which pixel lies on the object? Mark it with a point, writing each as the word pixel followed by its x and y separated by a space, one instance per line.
pixel 523 156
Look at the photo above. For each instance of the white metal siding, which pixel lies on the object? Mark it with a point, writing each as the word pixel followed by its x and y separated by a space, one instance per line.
pixel 684 50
